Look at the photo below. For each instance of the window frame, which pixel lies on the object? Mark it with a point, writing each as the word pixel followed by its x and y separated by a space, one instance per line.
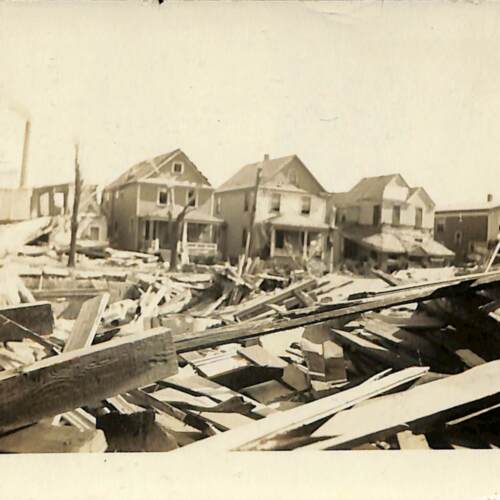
pixel 272 207
pixel 158 193
pixel 181 163
pixel 309 200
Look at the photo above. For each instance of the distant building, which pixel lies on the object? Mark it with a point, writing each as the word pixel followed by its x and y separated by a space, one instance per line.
pixel 385 221
pixel 291 218
pixel 470 230
pixel 140 203
pixel 57 200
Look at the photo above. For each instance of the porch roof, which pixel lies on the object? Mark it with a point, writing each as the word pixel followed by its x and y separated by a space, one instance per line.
pixel 397 241
pixel 296 221
pixel 172 211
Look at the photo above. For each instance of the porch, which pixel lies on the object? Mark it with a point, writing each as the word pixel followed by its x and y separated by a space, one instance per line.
pixel 295 242
pixel 198 239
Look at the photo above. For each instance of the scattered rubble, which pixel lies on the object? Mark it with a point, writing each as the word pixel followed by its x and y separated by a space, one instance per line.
pixel 120 354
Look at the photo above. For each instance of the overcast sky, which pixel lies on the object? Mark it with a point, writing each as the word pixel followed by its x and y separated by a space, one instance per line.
pixel 354 89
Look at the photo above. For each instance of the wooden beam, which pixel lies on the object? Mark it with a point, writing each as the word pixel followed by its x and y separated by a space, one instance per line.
pixel 394 297
pixel 84 377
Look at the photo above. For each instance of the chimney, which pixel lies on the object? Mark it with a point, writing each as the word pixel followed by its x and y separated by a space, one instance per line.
pixel 266 157
pixel 23 182
pixel 489 198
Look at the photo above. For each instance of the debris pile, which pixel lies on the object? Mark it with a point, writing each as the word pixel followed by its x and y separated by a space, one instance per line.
pixel 127 356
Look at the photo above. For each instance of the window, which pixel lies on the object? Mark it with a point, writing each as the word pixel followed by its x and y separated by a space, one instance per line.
pixel 246 202
pixel 191 198
pixel 275 202
pixel 279 241
pixel 458 238
pixel 178 167
pixel 376 215
pixel 306 205
pixel 162 196
pixel 396 215
pixel 218 205
pixel 419 216
pixel 244 238
pixel 440 226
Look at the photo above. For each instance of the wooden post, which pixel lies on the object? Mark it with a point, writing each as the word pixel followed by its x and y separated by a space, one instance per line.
pixel 74 215
pixel 250 235
pixel 493 256
pixel 184 236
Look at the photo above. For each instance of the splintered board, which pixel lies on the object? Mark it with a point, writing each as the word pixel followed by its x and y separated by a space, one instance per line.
pixel 36 317
pixel 84 376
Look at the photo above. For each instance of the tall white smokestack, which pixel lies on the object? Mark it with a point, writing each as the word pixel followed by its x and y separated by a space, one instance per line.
pixel 23 182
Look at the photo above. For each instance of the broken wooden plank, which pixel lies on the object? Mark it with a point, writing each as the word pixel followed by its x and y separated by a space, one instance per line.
pixel 251 307
pixel 86 323
pixel 86 376
pixel 259 356
pixel 442 400
pixel 375 351
pixel 262 434
pixel 36 317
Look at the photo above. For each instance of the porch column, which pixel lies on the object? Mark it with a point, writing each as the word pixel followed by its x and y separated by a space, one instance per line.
pixel 273 242
pixel 52 205
pixel 304 249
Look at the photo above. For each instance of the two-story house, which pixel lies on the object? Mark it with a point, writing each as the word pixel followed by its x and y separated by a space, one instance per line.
pixel 290 212
pixel 384 220
pixel 470 230
pixel 142 202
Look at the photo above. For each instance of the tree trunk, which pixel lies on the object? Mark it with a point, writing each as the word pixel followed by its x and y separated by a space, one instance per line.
pixel 74 215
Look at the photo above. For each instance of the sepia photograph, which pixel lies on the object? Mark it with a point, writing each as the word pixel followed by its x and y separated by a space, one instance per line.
pixel 250 226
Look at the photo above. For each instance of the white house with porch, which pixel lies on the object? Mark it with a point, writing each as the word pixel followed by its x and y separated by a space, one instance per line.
pixel 289 208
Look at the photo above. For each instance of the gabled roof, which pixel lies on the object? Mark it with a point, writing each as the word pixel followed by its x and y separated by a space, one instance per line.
pixel 147 168
pixel 370 188
pixel 420 189
pixel 245 177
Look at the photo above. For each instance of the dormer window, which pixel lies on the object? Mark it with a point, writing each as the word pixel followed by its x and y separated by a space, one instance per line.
pixel 178 167
pixel 162 196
